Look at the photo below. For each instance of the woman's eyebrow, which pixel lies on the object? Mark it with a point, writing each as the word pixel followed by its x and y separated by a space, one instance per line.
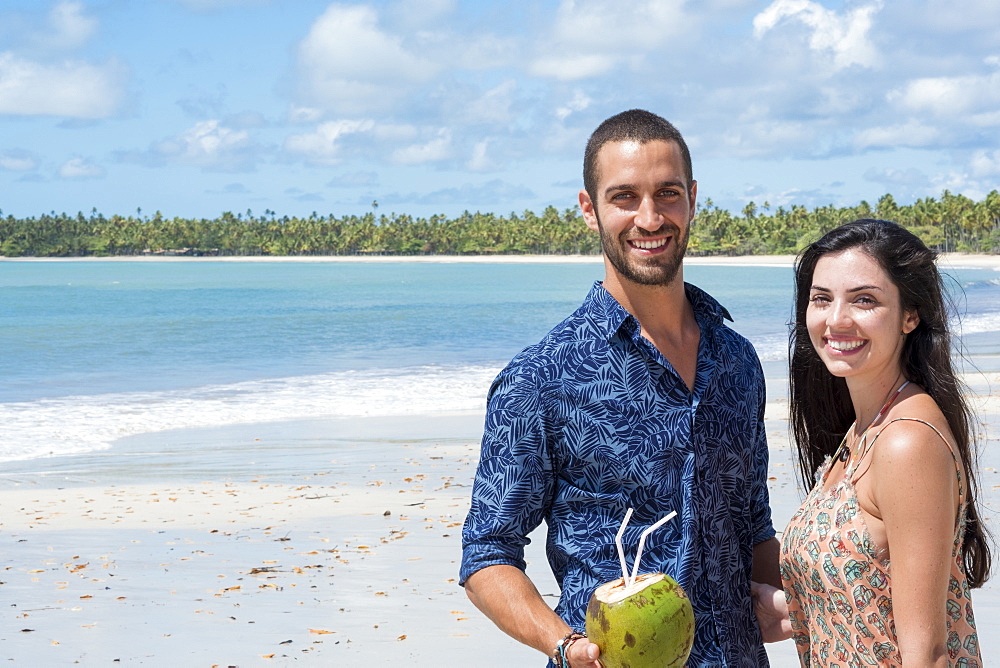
pixel 860 288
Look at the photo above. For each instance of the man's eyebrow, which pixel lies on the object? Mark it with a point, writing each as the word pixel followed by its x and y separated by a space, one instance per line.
pixel 623 186
pixel 631 186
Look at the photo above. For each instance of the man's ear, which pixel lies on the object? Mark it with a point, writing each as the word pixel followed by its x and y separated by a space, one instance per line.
pixel 693 196
pixel 587 208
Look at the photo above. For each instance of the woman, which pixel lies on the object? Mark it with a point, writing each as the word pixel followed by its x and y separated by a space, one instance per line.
pixel 878 561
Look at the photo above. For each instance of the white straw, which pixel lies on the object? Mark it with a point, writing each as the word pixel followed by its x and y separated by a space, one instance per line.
pixel 642 542
pixel 618 543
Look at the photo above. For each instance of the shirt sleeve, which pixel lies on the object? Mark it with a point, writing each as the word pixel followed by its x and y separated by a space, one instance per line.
pixel 763 526
pixel 514 480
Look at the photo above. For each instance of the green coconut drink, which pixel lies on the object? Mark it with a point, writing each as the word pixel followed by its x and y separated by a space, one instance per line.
pixel 641 621
pixel 649 624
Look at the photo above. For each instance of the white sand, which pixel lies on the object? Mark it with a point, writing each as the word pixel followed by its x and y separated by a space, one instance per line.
pixel 349 562
pixel 273 546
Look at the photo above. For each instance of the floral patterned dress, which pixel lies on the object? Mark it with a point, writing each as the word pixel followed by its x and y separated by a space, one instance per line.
pixel 839 589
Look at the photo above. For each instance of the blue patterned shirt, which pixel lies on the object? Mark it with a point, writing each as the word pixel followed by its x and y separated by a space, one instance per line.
pixel 593 420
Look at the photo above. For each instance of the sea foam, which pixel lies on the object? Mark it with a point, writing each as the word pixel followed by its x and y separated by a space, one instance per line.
pixel 88 423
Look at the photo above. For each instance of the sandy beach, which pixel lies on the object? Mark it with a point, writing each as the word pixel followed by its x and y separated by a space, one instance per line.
pixel 314 543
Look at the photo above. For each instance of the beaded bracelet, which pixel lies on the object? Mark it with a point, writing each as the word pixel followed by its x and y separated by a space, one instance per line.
pixel 560 652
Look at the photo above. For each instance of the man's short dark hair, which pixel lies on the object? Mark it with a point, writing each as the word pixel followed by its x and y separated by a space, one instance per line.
pixel 633 125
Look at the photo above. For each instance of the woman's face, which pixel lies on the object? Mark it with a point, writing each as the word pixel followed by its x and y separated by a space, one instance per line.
pixel 855 320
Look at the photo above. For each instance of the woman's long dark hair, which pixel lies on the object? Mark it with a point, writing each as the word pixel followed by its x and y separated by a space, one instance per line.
pixel 820 404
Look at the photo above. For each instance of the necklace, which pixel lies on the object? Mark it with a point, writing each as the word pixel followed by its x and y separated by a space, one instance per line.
pixel 845 452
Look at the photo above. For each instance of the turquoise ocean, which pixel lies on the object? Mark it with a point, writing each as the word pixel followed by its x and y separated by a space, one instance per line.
pixel 93 352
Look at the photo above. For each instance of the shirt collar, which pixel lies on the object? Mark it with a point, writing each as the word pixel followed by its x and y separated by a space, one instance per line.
pixel 610 316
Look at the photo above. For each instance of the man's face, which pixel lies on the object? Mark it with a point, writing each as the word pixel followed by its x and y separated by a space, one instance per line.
pixel 643 210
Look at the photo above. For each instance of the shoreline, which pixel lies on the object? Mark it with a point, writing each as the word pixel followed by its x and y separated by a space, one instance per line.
pixel 945 259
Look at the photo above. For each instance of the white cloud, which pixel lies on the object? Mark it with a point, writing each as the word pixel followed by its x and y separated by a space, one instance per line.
pixel 66 88
pixel 350 65
pixel 304 114
pixel 436 149
pixel 17 161
pixel 909 179
pixel 950 96
pixel 573 67
pixel 913 134
pixel 71 89
pixel 573 50
pixel 845 36
pixel 766 137
pixel 395 132
pixel 578 102
pixel 578 22
pixel 755 111
pixel 81 168
pixel 69 28
pixel 494 106
pixel 959 182
pixel 937 94
pixel 945 18
pixel 416 13
pixel 487 51
pixel 985 163
pixel 841 101
pixel 988 119
pixel 65 27
pixel 210 5
pixel 467 195
pixel 480 160
pixel 759 195
pixel 322 145
pixel 210 145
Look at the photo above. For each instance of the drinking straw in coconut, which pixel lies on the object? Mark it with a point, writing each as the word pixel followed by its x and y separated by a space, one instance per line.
pixel 642 541
pixel 618 544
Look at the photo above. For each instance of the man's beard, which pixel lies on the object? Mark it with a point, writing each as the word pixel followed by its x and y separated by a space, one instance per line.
pixel 659 271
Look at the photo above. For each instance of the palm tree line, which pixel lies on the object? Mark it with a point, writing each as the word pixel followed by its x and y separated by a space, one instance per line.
pixel 951 223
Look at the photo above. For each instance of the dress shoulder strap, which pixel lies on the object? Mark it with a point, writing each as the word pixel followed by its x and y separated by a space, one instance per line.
pixel 951 449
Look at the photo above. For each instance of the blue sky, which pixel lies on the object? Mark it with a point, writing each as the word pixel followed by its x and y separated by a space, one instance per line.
pixel 196 107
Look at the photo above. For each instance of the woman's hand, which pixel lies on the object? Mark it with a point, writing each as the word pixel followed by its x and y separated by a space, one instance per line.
pixel 772 612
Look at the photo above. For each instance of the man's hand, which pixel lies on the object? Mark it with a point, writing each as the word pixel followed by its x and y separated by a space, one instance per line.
pixel 772 612
pixel 583 654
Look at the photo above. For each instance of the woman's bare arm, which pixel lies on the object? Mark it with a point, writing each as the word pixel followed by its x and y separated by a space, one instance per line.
pixel 915 489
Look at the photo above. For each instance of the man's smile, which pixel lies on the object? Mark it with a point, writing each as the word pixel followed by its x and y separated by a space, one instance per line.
pixel 649 244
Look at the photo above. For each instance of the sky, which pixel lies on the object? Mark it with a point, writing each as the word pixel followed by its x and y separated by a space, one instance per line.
pixel 423 107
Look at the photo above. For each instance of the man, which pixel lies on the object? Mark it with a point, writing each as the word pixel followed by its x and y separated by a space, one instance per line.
pixel 641 399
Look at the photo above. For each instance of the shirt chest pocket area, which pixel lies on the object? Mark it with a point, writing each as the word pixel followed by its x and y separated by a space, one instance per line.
pixel 616 454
